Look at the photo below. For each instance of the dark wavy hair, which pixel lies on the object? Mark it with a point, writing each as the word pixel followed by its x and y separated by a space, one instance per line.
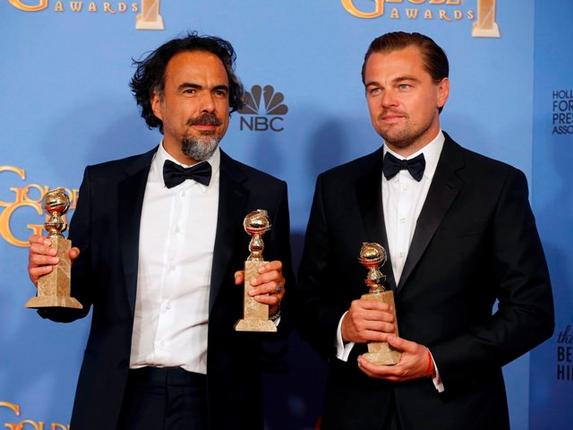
pixel 150 74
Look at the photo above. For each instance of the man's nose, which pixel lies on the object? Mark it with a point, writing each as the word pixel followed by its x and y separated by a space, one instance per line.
pixel 207 102
pixel 389 98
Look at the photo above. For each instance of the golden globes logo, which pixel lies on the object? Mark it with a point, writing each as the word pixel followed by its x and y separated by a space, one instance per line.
pixel 28 424
pixel 28 196
pixel 485 24
pixel 148 17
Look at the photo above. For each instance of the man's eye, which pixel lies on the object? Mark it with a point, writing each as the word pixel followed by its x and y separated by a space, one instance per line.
pixel 221 93
pixel 374 91
pixel 404 86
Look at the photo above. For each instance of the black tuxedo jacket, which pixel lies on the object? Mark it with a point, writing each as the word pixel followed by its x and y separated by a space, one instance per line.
pixel 105 227
pixel 475 242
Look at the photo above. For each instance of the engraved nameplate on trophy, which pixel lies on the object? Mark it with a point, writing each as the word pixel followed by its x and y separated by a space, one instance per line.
pixel 372 257
pixel 255 314
pixel 54 288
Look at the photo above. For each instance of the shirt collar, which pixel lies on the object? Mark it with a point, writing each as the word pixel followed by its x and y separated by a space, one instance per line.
pixel 431 153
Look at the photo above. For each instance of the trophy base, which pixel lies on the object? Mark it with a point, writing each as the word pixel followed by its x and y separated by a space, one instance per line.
pixel 255 314
pixel 381 352
pixel 256 325
pixel 53 302
pixel 54 288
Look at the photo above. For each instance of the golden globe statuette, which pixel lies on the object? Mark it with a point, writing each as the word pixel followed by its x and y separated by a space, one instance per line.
pixel 372 256
pixel 255 314
pixel 54 288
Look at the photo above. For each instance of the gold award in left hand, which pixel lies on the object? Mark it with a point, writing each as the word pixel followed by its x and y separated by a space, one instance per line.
pixel 255 314
pixel 372 256
pixel 54 288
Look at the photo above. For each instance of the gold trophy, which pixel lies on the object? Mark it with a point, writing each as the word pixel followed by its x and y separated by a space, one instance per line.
pixel 54 288
pixel 255 314
pixel 372 257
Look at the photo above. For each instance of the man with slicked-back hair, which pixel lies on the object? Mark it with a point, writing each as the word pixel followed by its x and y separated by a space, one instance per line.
pixel 460 235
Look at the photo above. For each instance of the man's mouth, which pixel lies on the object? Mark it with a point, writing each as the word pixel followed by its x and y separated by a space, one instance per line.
pixel 392 117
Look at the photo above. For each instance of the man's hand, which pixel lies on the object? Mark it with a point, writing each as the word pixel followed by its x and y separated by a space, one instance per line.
pixel 42 257
pixel 416 362
pixel 368 321
pixel 268 287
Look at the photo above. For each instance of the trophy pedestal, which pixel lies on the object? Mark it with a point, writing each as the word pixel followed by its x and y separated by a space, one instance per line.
pixel 54 288
pixel 381 352
pixel 255 314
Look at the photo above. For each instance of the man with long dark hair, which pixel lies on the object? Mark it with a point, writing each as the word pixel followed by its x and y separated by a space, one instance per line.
pixel 460 235
pixel 159 242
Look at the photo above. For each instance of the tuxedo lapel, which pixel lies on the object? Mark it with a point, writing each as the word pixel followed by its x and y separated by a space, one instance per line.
pixel 232 209
pixel 443 190
pixel 369 196
pixel 130 194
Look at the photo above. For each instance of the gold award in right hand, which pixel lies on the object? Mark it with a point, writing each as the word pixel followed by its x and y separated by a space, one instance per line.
pixel 255 314
pixel 54 288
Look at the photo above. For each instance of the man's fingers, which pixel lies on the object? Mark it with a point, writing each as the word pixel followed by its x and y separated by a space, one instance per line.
pixel 363 304
pixel 41 248
pixel 74 253
pixel 372 336
pixel 371 315
pixel 273 287
pixel 37 272
pixel 37 239
pixel 266 277
pixel 402 344
pixel 391 373
pixel 379 326
pixel 42 260
pixel 273 265
pixel 269 300
pixel 239 277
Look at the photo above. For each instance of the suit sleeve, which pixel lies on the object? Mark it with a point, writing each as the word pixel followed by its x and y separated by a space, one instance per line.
pixel 524 317
pixel 318 312
pixel 81 279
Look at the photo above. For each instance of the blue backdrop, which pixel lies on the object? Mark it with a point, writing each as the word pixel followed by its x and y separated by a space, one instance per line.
pixel 65 103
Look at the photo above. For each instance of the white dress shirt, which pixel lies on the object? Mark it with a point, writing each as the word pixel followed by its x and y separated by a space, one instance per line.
pixel 176 242
pixel 402 200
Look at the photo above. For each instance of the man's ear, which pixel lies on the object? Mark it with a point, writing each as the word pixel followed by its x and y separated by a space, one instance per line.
pixel 156 105
pixel 443 92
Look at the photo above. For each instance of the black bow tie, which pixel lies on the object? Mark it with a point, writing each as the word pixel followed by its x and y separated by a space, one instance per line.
pixel 392 165
pixel 174 174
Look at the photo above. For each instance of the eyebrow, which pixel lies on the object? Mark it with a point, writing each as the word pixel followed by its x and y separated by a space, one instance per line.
pixel 395 80
pixel 186 85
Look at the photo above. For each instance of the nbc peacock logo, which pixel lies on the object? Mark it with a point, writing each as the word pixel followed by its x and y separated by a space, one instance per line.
pixel 263 110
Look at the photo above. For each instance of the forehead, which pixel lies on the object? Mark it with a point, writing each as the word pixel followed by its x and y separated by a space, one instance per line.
pixel 196 67
pixel 406 61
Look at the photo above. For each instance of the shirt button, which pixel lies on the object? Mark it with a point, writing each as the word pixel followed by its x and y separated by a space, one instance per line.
pixel 402 220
